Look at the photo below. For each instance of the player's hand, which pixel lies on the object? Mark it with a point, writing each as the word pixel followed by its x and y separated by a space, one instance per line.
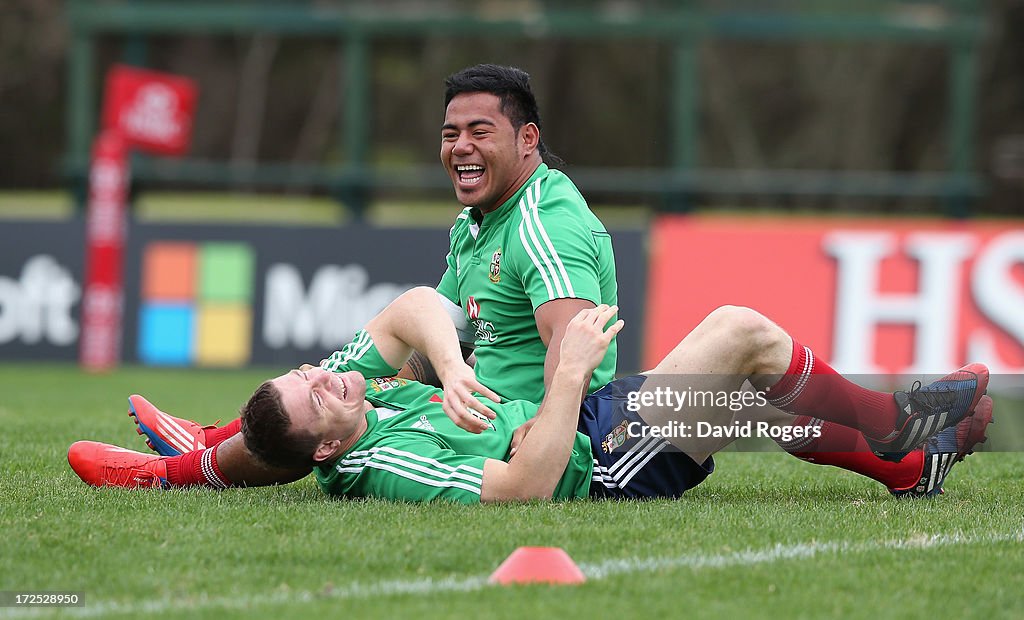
pixel 519 434
pixel 466 410
pixel 586 338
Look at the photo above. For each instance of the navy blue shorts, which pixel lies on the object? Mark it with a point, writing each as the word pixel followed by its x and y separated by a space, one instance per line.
pixel 629 464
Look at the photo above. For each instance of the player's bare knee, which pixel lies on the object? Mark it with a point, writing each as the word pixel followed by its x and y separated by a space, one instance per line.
pixel 728 315
pixel 747 329
pixel 768 342
pixel 739 322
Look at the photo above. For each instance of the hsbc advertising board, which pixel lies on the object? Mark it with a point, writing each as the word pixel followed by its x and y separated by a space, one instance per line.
pixel 896 296
pixel 230 296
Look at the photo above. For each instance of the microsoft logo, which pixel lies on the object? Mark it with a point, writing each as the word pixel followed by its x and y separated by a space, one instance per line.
pixel 196 306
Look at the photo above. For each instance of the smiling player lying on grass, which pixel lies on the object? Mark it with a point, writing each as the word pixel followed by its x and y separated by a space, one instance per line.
pixel 393 438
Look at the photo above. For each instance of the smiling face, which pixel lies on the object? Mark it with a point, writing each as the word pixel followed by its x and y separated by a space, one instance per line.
pixel 485 157
pixel 325 405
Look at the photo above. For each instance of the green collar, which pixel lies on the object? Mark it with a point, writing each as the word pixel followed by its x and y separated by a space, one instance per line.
pixel 510 205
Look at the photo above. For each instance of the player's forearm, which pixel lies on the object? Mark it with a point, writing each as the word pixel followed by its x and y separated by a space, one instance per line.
pixel 416 321
pixel 552 358
pixel 534 472
pixel 429 329
pixel 419 368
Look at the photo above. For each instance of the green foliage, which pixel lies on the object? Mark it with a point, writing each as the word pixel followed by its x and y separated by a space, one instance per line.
pixel 765 536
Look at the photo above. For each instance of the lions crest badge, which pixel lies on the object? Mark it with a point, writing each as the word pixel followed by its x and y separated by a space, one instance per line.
pixel 616 438
pixel 381 384
pixel 495 274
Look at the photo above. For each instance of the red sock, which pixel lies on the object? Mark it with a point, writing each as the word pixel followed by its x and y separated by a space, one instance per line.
pixel 844 447
pixel 214 434
pixel 196 468
pixel 811 387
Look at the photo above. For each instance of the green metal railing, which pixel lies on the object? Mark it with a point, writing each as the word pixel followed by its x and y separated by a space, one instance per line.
pixel 956 26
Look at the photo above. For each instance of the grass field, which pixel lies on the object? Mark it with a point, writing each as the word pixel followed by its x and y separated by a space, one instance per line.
pixel 765 536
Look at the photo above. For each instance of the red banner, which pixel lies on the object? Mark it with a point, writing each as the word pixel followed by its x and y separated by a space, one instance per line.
pixel 153 111
pixel 105 238
pixel 894 296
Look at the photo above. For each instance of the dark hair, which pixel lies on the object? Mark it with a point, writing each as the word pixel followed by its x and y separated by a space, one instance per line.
pixel 268 433
pixel 512 88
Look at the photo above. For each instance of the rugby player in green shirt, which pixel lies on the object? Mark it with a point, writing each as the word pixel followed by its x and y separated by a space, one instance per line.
pixel 391 438
pixel 526 254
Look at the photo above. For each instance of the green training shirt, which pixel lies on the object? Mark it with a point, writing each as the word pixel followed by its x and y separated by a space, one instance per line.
pixel 411 449
pixel 544 243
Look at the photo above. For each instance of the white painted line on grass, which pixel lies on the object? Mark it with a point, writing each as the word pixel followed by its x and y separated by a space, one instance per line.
pixel 780 552
pixel 593 571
